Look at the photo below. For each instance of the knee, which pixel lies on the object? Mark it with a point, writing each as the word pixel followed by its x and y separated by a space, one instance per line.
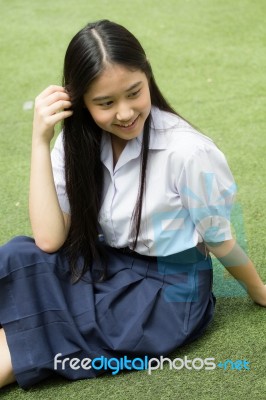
pixel 20 250
pixel 16 242
pixel 16 245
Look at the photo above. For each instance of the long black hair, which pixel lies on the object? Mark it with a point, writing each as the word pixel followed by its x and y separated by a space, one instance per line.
pixel 89 52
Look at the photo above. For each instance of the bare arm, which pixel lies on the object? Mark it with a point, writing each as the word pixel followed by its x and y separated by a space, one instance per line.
pixel 237 263
pixel 50 225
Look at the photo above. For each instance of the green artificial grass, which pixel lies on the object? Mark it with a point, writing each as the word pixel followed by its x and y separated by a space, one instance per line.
pixel 209 59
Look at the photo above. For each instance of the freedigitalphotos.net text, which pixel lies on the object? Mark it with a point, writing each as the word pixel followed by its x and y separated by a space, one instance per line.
pixel 150 364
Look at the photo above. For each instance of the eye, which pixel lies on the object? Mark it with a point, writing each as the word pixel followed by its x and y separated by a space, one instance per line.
pixel 106 103
pixel 134 94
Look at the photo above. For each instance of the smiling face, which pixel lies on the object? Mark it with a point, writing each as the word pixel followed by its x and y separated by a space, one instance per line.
pixel 119 101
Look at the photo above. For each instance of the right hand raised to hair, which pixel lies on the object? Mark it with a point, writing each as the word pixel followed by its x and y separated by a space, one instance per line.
pixel 51 106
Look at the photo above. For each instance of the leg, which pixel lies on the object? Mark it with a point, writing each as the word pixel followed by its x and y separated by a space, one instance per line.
pixel 6 371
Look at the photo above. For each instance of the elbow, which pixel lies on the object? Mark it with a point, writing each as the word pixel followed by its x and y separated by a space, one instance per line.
pixel 48 246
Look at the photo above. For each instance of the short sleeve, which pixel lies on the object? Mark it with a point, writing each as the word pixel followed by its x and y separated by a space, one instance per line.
pixel 58 165
pixel 207 189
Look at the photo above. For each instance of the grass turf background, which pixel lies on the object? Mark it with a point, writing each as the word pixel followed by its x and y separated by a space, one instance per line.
pixel 209 59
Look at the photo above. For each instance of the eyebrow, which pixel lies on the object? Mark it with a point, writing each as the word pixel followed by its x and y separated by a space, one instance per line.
pixel 101 98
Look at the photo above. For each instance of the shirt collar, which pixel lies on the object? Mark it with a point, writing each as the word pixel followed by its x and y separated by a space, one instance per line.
pixel 157 131
pixel 161 121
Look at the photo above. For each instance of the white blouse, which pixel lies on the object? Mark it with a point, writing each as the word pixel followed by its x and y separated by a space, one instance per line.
pixel 189 189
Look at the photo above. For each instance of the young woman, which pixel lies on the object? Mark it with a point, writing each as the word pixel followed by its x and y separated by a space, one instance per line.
pixel 123 219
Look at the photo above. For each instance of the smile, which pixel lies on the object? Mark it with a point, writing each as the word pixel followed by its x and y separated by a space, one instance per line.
pixel 129 124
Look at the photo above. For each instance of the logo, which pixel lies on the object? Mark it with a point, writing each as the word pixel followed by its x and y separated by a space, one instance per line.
pixel 213 213
pixel 145 363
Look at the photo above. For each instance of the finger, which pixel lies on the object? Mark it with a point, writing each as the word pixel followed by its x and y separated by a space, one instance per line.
pixel 50 90
pixel 44 114
pixel 59 106
pixel 61 116
pixel 51 99
pixel 52 120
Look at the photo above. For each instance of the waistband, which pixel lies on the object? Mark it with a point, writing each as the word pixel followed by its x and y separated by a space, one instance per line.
pixel 189 256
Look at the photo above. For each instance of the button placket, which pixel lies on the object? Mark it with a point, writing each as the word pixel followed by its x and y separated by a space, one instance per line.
pixel 110 215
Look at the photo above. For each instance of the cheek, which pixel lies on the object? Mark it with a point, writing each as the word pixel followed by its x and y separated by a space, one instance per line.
pixel 145 107
pixel 99 117
pixel 145 102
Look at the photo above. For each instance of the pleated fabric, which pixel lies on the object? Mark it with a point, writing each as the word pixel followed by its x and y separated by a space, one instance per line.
pixel 145 307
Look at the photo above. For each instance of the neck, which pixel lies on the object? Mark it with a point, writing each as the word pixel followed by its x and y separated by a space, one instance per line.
pixel 118 146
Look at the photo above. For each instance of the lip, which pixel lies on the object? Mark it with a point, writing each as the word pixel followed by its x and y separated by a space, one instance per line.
pixel 129 127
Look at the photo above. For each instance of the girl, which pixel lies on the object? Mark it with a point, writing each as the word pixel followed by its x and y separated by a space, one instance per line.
pixel 123 218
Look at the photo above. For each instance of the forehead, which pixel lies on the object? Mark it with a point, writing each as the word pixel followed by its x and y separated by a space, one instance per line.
pixel 115 79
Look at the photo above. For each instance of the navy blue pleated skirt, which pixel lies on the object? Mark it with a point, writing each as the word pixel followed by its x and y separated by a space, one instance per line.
pixel 145 307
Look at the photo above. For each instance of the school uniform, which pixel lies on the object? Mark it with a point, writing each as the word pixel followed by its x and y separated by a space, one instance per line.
pixel 154 299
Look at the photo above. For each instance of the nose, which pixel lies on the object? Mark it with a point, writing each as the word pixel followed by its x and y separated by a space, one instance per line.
pixel 124 113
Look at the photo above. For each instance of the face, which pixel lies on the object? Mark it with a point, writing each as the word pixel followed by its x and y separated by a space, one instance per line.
pixel 119 101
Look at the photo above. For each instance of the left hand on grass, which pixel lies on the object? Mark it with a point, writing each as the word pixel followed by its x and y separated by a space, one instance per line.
pixel 258 295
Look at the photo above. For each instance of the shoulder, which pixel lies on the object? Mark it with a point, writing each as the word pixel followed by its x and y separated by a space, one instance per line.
pixel 178 137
